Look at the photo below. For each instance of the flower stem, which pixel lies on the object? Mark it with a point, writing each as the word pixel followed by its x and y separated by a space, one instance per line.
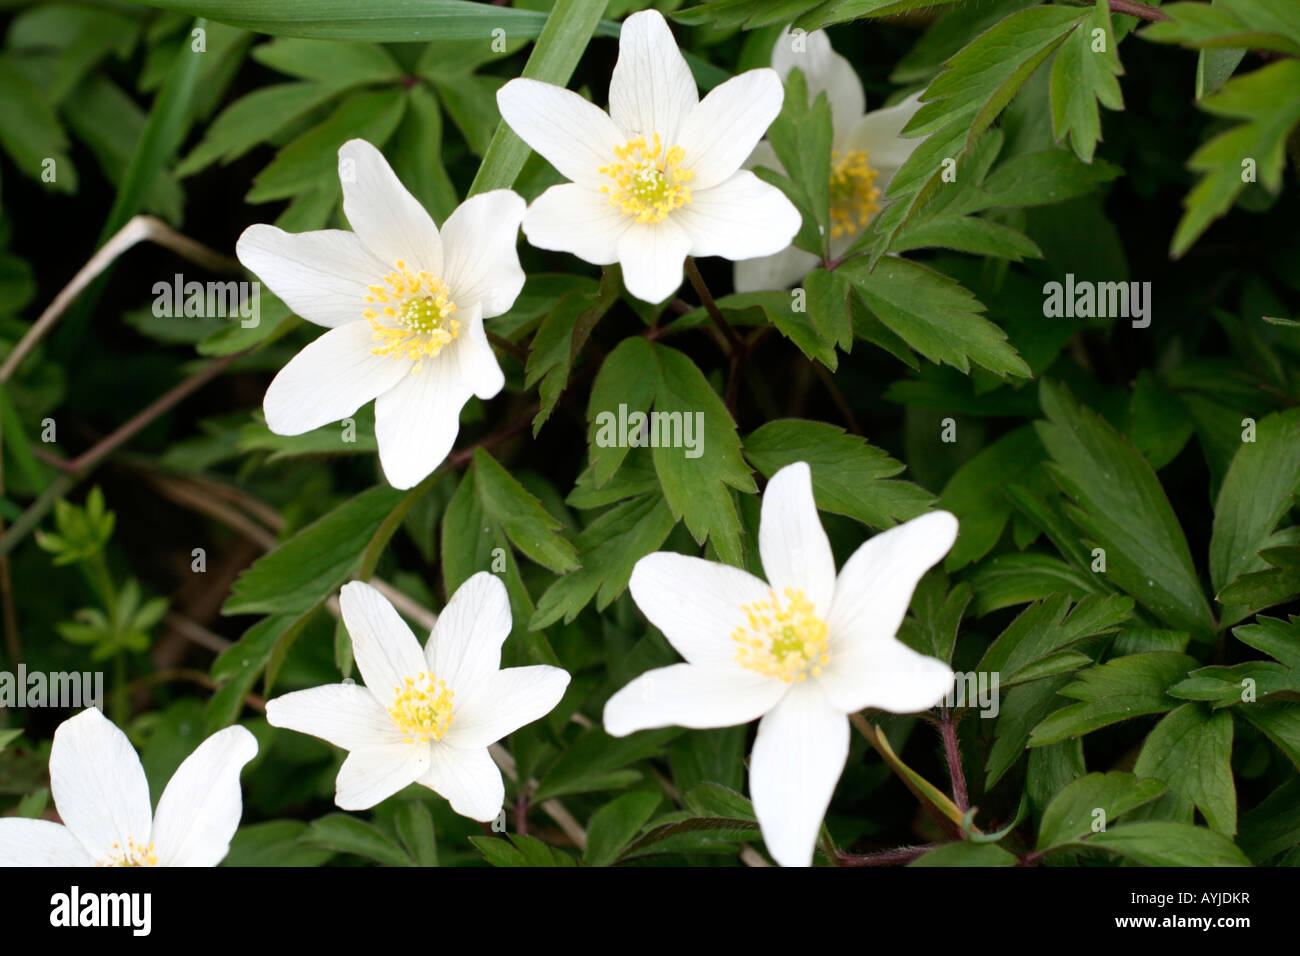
pixel 927 793
pixel 710 306
pixel 900 856
pixel 1135 9
pixel 948 730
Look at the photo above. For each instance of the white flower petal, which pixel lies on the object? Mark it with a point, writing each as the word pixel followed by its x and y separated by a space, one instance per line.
pixel 824 71
pixel 700 696
pixel 322 275
pixel 386 651
pixel 371 776
pixel 652 254
pixel 886 674
pixel 576 219
pixel 480 258
pixel 786 268
pixel 798 757
pixel 478 365
pixel 574 136
pixel 795 550
pixel 40 843
pixel 720 133
pixel 740 218
pixel 465 646
pixel 875 585
pixel 696 603
pixel 99 785
pixel 469 780
pixel 200 808
pixel 385 216
pixel 878 134
pixel 345 715
pixel 652 88
pixel 416 421
pixel 329 380
pixel 503 702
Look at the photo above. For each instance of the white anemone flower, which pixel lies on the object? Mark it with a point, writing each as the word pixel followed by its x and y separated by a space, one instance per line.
pixel 866 152
pixel 404 305
pixel 659 177
pixel 424 716
pixel 801 651
pixel 102 796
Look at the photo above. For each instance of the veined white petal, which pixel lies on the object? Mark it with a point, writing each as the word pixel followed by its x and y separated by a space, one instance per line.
pixel 885 674
pixel 385 216
pixel 720 133
pixel 576 219
pixel 795 550
pixel 878 134
pixel 700 696
pixel 40 843
pixel 786 268
pixel 322 275
pixel 371 776
pixel 740 218
pixel 200 808
pixel 652 88
pixel 329 380
pixel 386 651
pixel 416 421
pixel 696 603
pixel 478 365
pixel 652 254
pixel 480 257
pixel 465 647
pixel 503 702
pixel 571 134
pixel 469 780
pixel 875 585
pixel 824 71
pixel 798 757
pixel 99 785
pixel 346 715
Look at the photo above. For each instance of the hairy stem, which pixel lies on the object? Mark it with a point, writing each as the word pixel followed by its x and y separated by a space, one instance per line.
pixel 948 730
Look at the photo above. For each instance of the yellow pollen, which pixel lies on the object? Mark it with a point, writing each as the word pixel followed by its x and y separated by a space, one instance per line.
pixel 649 182
pixel 410 315
pixel 421 708
pixel 854 196
pixel 782 637
pixel 133 855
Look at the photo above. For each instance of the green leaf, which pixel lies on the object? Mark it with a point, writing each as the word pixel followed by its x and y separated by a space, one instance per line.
pixel 1267 102
pixel 528 525
pixel 933 314
pixel 1118 504
pixel 415 827
pixel 1044 629
pixel 1259 488
pixel 274 843
pixel 9 736
pixel 595 762
pixel 616 824
pixel 561 336
pixel 850 477
pixel 30 130
pixel 1121 689
pixel 1230 24
pixel 976 493
pixel 1273 827
pixel 334 62
pixel 1082 76
pixel 1280 722
pixel 1011 579
pixel 1160 843
pixel 1073 813
pixel 1190 750
pixel 560 44
pixel 966 853
pixel 345 834
pixel 316 561
pixel 801 138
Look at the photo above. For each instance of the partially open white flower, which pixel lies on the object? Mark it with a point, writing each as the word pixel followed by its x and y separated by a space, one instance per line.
pixel 866 152
pixel 102 796
pixel 658 178
pixel 800 651
pixel 427 716
pixel 404 305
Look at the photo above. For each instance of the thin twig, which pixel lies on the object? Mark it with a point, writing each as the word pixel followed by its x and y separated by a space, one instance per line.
pixel 1135 9
pixel 951 748
pixel 901 856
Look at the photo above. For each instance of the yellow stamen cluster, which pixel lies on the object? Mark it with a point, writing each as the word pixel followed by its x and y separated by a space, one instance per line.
pixel 854 196
pixel 783 637
pixel 421 708
pixel 133 855
pixel 411 315
pixel 649 182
